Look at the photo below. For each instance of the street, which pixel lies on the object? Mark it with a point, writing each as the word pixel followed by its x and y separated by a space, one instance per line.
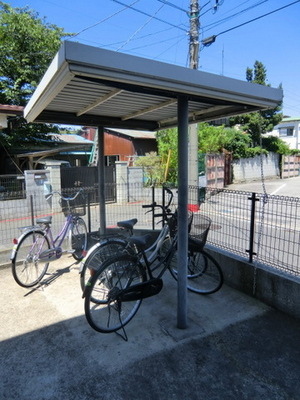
pixel 279 187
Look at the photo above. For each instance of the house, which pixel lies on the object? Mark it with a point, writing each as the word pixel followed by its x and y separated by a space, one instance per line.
pixel 71 148
pixel 121 144
pixel 289 131
pixel 8 112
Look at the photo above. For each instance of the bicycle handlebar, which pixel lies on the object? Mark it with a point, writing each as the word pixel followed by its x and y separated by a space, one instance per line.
pixel 165 208
pixel 62 197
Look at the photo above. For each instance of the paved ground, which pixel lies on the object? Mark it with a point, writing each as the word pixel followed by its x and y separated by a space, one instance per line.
pixel 233 348
pixel 279 187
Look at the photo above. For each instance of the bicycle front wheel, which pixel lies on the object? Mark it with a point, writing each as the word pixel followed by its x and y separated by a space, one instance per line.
pixel 204 274
pixel 103 311
pixel 99 253
pixel 29 265
pixel 79 239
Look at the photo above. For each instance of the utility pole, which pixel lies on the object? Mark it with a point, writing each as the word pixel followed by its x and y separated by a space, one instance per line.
pixel 194 33
pixel 194 61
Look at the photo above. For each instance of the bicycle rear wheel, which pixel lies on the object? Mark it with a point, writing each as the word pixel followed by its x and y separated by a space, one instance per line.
pixel 79 238
pixel 103 311
pixel 204 275
pixel 99 253
pixel 28 268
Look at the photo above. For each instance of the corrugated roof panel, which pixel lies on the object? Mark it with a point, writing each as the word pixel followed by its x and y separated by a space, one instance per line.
pixel 85 85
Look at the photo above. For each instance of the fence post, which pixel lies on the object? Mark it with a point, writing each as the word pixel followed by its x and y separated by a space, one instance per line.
pixel 252 227
pixel 89 211
pixel 31 210
pixel 153 211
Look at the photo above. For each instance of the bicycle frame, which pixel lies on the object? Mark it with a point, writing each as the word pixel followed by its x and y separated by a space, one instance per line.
pixel 58 240
pixel 55 250
pixel 148 261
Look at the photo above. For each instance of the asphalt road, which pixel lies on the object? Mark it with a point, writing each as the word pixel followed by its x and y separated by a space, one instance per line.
pixel 280 187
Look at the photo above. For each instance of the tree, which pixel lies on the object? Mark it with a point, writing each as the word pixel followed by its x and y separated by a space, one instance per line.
pixel 260 122
pixel 151 164
pixel 28 44
pixel 167 145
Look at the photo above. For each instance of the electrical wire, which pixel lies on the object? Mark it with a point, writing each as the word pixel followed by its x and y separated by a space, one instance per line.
pixel 155 43
pixel 140 28
pixel 149 15
pixel 221 21
pixel 105 19
pixel 175 44
pixel 257 18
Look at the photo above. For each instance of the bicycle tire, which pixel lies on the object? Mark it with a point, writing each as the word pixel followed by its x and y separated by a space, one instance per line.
pixel 99 253
pixel 107 314
pixel 79 238
pixel 27 268
pixel 204 274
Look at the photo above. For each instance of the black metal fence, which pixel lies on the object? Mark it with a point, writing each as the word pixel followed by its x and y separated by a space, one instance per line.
pixel 260 228
pixel 12 187
pixel 264 229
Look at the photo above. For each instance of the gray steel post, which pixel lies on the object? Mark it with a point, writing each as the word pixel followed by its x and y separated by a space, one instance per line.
pixel 101 180
pixel 182 211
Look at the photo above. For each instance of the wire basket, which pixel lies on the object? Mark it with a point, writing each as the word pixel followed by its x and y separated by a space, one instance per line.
pixel 198 232
pixel 173 222
pixel 74 207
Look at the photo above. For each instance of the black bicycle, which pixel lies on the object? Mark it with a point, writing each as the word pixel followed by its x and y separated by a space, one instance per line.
pixel 114 293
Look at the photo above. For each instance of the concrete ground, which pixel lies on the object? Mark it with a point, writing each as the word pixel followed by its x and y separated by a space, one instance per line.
pixel 234 347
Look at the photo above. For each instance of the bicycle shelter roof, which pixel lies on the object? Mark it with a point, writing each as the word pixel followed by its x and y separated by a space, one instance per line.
pixel 91 86
pixel 86 85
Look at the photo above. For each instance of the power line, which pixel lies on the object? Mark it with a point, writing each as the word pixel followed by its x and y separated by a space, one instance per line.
pixel 211 39
pixel 149 15
pixel 105 19
pixel 140 28
pixel 214 24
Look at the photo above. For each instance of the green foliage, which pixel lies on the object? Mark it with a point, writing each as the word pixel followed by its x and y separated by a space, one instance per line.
pixel 152 166
pixel 28 45
pixel 238 143
pixel 26 136
pixel 211 139
pixel 257 123
pixel 276 145
pixel 167 142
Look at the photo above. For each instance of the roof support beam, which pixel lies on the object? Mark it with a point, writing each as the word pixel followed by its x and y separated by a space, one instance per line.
pixel 99 101
pixel 149 109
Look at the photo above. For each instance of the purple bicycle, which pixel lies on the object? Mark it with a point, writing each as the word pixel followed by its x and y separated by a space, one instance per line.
pixel 36 247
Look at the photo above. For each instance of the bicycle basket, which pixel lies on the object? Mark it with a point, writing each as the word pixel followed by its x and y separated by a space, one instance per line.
pixel 172 222
pixel 74 207
pixel 198 232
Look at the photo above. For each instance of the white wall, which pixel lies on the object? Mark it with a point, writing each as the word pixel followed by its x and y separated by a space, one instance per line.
pixel 248 169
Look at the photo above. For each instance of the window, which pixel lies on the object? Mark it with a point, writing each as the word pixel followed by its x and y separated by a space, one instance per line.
pixel 287 131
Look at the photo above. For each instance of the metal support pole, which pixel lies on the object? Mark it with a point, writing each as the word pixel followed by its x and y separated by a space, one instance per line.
pixel 31 210
pixel 153 211
pixel 101 181
pixel 252 227
pixel 194 60
pixel 182 211
pixel 89 212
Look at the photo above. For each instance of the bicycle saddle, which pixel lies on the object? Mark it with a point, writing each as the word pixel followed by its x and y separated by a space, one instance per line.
pixel 44 220
pixel 141 242
pixel 128 224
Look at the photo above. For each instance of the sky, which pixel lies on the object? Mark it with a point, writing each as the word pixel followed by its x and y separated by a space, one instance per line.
pixel 159 30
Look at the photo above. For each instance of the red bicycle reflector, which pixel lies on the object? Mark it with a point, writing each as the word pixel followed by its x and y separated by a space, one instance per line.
pixel 15 241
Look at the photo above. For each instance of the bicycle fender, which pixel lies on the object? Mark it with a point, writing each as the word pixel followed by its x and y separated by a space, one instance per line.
pixel 94 247
pixel 20 238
